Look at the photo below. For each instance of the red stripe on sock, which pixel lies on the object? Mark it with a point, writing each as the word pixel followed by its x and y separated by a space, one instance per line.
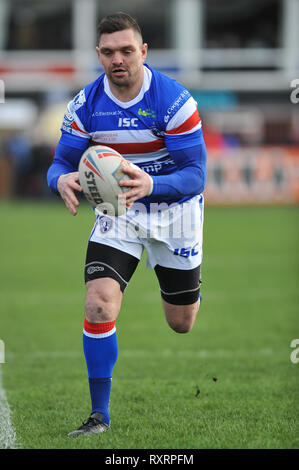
pixel 97 328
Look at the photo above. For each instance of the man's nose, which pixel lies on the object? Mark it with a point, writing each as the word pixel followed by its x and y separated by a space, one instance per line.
pixel 117 58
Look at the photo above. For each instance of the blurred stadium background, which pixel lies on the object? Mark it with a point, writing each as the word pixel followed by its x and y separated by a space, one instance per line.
pixel 239 58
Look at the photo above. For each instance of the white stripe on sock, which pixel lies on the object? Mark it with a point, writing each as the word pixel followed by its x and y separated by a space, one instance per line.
pixel 99 335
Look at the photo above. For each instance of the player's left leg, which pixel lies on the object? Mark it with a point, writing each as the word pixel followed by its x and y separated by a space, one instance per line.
pixel 181 318
pixel 176 256
pixel 180 292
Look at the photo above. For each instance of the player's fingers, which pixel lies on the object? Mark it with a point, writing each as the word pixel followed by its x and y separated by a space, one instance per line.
pixel 71 202
pixel 74 200
pixel 130 171
pixel 76 175
pixel 130 191
pixel 132 196
pixel 70 207
pixel 76 186
pixel 128 183
pixel 73 181
pixel 124 197
pixel 69 181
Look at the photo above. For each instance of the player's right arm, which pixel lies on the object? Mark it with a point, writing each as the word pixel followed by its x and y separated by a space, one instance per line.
pixel 67 185
pixel 62 176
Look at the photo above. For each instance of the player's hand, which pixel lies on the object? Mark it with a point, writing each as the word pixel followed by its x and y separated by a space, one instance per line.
pixel 67 185
pixel 140 184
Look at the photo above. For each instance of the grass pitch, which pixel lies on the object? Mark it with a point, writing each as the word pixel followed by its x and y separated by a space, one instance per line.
pixel 229 383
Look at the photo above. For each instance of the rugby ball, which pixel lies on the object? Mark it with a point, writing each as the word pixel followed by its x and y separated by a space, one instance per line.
pixel 100 171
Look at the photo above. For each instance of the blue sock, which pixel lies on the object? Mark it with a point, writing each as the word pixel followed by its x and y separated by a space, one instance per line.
pixel 100 350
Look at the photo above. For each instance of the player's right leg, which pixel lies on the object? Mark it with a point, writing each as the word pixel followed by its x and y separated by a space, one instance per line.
pixel 103 300
pixel 107 273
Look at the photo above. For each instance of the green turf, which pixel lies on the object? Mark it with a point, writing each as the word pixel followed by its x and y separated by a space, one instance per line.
pixel 229 383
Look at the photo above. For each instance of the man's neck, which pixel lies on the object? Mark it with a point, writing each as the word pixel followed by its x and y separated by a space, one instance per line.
pixel 126 93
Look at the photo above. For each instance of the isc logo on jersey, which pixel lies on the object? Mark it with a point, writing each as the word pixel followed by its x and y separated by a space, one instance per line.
pixel 127 122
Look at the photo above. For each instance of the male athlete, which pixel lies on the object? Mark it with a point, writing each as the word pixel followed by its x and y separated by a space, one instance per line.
pixel 152 121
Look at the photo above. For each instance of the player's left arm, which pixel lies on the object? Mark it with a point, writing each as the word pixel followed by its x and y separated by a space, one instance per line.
pixel 185 143
pixel 189 179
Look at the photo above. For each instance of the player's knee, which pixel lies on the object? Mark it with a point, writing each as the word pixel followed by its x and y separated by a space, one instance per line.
pixel 181 326
pixel 181 318
pixel 103 300
pixel 99 307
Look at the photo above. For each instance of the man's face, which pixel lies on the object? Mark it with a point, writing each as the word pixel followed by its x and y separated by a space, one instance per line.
pixel 122 55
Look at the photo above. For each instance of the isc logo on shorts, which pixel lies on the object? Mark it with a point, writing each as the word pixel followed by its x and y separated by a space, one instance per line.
pixel 186 252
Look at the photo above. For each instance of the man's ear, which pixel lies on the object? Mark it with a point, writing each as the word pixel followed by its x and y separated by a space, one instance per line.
pixel 98 53
pixel 144 50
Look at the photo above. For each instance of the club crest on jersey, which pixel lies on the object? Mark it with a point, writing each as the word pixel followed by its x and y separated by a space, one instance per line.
pixel 105 223
pixel 79 100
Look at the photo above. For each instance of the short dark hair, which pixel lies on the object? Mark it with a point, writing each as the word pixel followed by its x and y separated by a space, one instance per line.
pixel 117 22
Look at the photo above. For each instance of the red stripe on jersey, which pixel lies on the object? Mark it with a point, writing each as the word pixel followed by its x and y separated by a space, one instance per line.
pixel 98 328
pixel 191 122
pixel 77 128
pixel 135 147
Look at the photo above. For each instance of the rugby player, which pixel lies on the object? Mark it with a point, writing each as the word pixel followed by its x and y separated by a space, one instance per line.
pixel 152 121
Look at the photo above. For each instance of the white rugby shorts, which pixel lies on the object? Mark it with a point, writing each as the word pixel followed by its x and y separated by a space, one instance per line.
pixel 171 235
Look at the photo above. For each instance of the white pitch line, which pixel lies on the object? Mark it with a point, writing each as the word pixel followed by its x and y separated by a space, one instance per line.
pixel 212 353
pixel 7 431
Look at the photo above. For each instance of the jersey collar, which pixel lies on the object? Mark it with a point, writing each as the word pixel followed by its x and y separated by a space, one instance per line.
pixel 127 104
